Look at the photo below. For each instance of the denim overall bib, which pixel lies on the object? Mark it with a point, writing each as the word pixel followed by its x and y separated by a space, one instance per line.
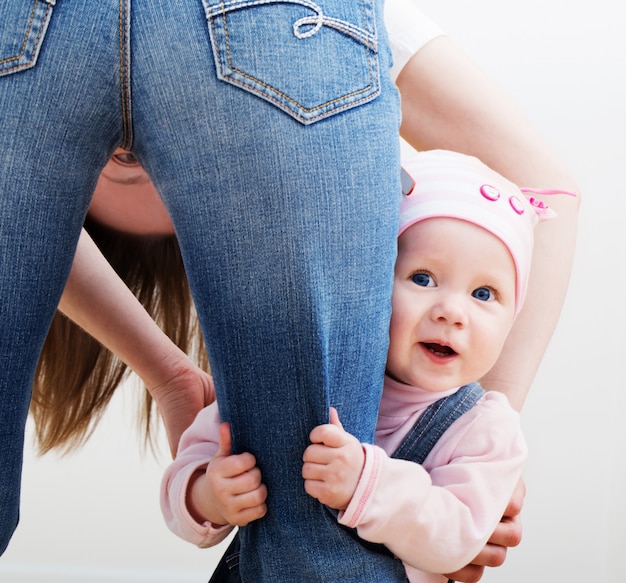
pixel 415 447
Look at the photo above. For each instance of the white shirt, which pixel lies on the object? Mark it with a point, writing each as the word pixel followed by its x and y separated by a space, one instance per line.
pixel 409 30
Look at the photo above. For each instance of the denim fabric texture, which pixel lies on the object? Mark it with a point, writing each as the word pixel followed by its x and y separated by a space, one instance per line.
pixel 435 421
pixel 270 130
pixel 415 447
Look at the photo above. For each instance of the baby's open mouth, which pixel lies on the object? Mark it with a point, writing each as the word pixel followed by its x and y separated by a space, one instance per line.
pixel 438 349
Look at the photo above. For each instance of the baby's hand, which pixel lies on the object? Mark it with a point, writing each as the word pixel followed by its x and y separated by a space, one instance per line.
pixel 233 488
pixel 333 464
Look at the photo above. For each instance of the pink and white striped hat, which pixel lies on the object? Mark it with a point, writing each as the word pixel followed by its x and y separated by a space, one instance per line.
pixel 439 183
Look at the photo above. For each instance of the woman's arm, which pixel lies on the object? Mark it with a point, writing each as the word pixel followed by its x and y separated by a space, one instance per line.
pixel 447 102
pixel 98 301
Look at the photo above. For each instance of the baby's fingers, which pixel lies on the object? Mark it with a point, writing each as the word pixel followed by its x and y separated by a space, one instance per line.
pixel 248 506
pixel 319 454
pixel 329 435
pixel 233 466
pixel 225 445
pixel 334 418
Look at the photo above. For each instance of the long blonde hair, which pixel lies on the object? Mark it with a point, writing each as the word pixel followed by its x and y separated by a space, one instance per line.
pixel 76 376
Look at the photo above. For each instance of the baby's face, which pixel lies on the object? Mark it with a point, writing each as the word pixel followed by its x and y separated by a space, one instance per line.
pixel 453 304
pixel 125 199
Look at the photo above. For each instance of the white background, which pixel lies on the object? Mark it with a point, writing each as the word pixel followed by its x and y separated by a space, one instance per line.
pixel 93 516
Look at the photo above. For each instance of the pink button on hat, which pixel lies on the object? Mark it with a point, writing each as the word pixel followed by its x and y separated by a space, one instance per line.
pixel 439 183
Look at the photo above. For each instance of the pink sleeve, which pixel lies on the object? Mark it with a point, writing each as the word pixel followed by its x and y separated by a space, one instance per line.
pixel 438 516
pixel 198 445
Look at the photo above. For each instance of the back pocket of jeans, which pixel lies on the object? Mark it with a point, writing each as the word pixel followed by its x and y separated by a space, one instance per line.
pixel 296 56
pixel 23 25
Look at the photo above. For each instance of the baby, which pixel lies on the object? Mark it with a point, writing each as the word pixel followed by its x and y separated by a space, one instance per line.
pixel 447 455
pixel 464 252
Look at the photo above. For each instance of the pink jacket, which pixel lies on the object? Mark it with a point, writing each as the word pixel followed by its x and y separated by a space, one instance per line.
pixel 435 517
pixel 198 444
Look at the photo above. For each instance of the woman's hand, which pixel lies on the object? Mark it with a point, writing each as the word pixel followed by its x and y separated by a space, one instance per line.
pixel 181 396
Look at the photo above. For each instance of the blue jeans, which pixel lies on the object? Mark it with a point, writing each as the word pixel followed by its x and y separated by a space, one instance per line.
pixel 415 447
pixel 270 130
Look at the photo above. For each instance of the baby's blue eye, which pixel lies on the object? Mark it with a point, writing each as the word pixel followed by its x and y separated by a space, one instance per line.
pixel 484 294
pixel 422 279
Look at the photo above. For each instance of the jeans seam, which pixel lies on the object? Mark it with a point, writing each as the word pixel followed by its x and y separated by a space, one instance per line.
pixel 124 16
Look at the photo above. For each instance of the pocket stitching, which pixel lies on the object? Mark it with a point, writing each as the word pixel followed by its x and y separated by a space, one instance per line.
pixel 295 114
pixel 366 40
pixel 24 43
